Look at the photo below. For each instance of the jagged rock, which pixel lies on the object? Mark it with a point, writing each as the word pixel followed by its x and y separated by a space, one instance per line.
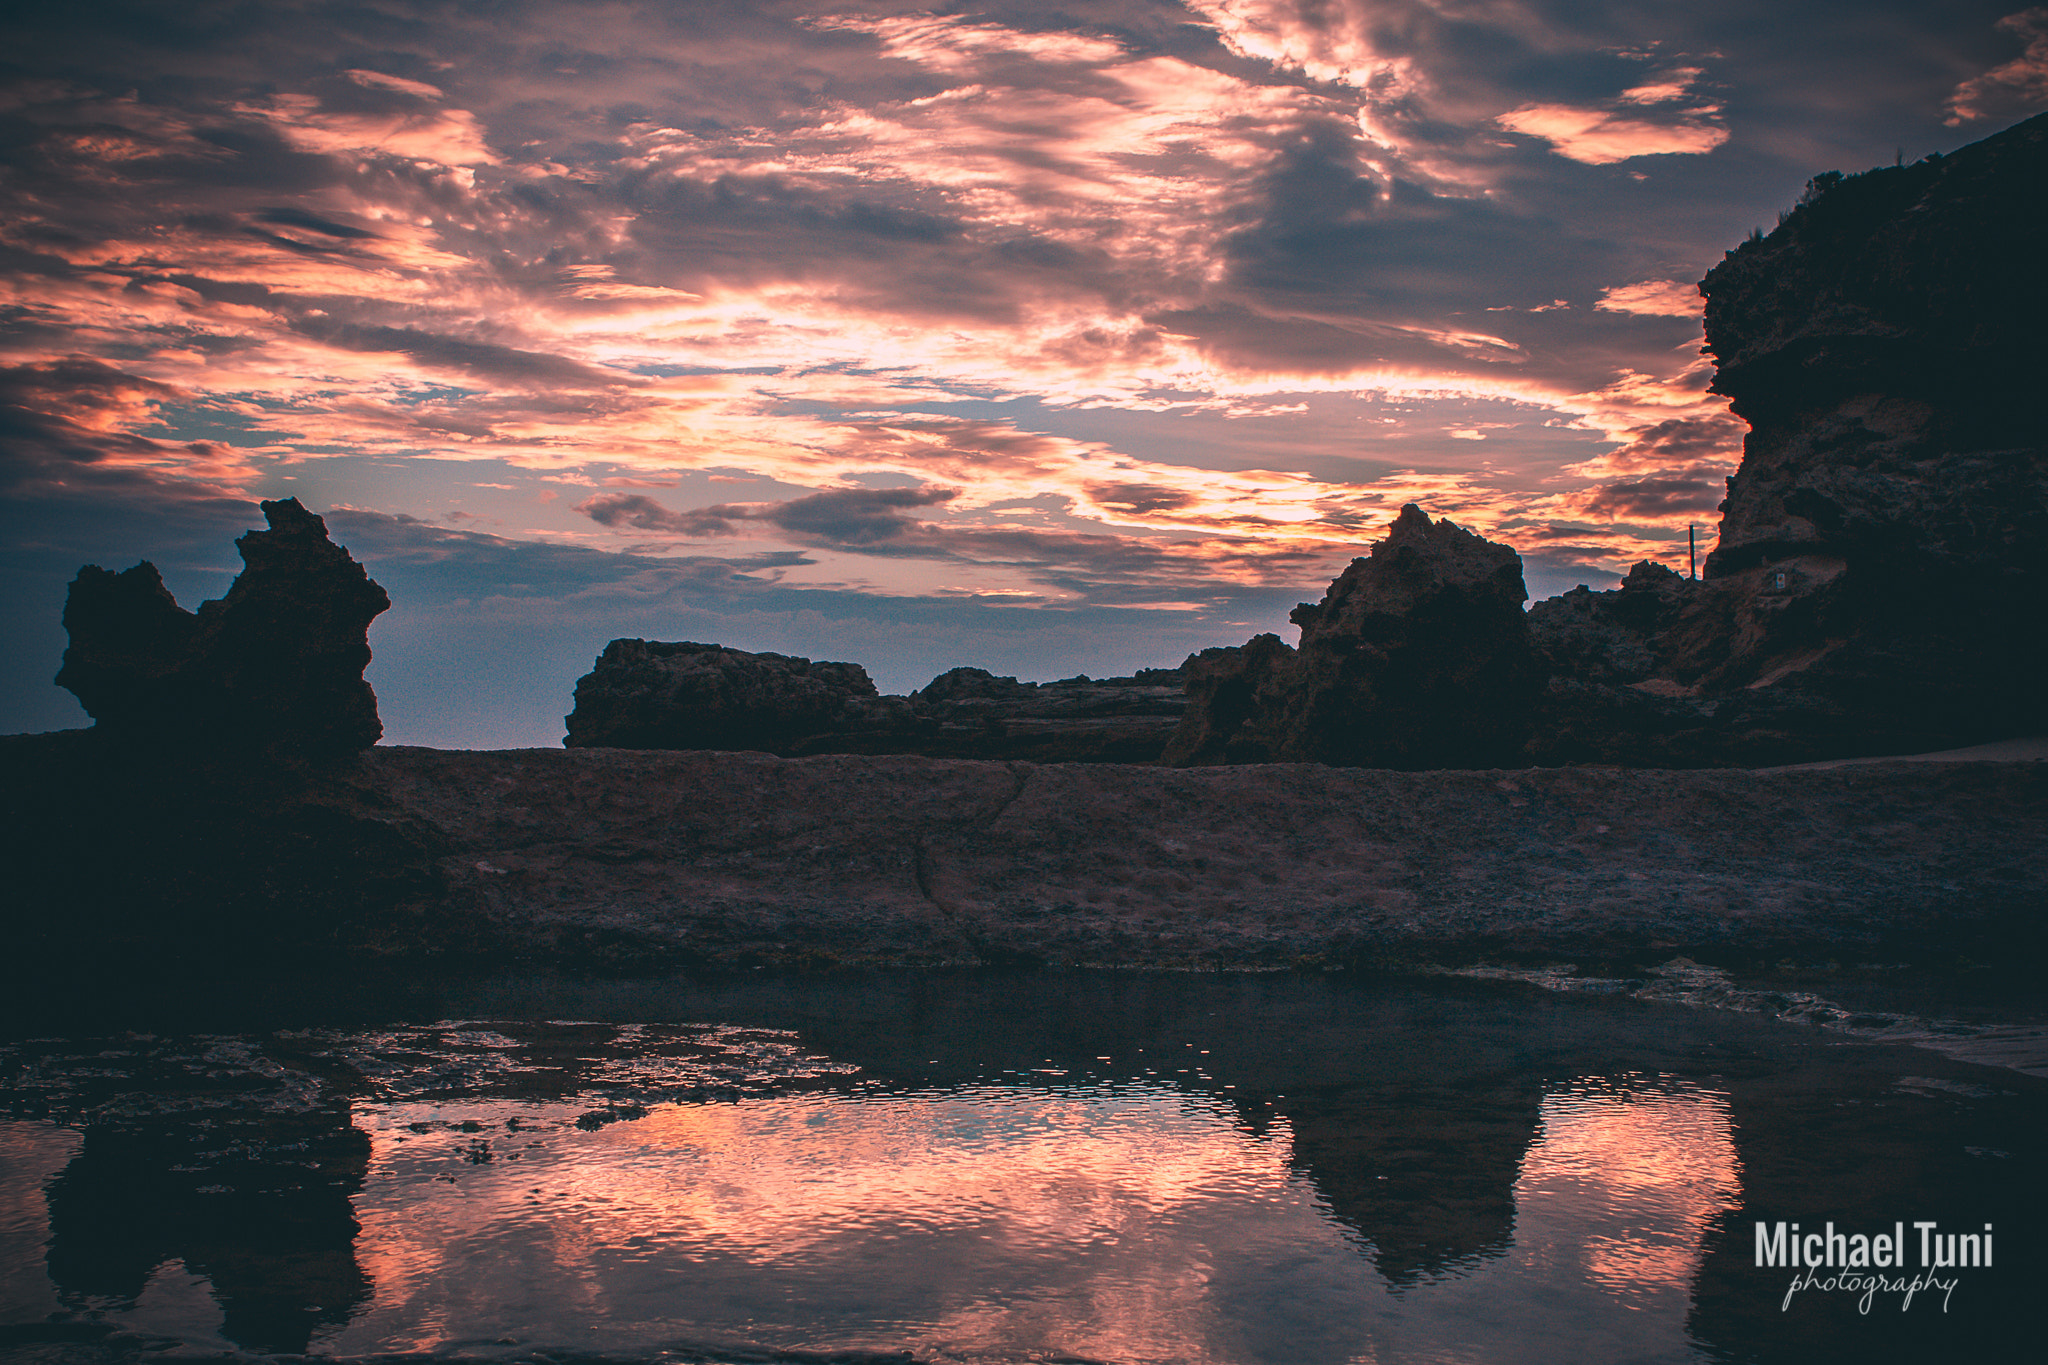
pixel 1609 637
pixel 647 694
pixel 1418 656
pixel 1224 688
pixel 276 665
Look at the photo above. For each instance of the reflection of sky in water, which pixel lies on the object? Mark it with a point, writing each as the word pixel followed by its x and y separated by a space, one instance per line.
pixel 1260 1171
pixel 1003 1221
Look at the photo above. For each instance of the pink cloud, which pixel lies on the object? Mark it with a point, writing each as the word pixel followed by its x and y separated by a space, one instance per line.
pixel 1601 138
pixel 1653 298
pixel 2017 86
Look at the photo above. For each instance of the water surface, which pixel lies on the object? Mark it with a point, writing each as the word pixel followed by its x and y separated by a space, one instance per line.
pixel 990 1167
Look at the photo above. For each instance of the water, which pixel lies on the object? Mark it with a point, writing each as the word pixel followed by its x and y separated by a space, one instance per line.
pixel 988 1167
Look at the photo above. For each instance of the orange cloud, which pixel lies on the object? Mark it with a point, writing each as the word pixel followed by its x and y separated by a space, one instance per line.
pixel 1653 298
pixel 1601 138
pixel 2017 86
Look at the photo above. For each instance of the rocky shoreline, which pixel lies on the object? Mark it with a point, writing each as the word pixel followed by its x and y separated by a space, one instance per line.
pixel 632 858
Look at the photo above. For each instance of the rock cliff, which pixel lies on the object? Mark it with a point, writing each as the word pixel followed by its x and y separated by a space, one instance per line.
pixel 1884 545
pixel 275 666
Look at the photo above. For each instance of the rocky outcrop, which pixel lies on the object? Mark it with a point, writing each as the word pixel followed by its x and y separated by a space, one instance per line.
pixel 275 666
pixel 1227 690
pixel 970 713
pixel 1418 656
pixel 652 695
pixel 648 694
pixel 1881 579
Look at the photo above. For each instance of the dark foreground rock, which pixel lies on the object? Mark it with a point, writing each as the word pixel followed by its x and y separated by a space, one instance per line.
pixel 643 857
pixel 1883 553
pixel 647 694
pixel 275 666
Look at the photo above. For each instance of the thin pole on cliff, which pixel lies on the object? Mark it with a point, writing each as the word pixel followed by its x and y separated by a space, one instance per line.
pixel 1692 551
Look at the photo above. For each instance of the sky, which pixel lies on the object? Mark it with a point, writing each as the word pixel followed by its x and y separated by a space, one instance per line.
pixel 1045 339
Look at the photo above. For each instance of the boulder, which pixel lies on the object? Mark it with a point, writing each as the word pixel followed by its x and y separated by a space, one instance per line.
pixel 275 666
pixel 1418 656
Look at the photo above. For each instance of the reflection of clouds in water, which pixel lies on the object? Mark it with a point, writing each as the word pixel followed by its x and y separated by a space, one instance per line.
pixel 994 1222
pixel 1633 1172
pixel 1112 1223
pixel 1613 1201
pixel 1101 1221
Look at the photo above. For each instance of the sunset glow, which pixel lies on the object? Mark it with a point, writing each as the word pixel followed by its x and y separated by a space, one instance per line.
pixel 918 337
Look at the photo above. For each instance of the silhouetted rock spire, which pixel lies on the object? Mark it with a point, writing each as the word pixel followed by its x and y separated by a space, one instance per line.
pixel 275 666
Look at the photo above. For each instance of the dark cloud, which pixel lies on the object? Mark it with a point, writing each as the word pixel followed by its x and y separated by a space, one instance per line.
pixel 2012 89
pixel 313 222
pixel 1138 498
pixel 482 359
pixel 1678 441
pixel 1653 498
pixel 58 416
pixel 849 517
pixel 1099 568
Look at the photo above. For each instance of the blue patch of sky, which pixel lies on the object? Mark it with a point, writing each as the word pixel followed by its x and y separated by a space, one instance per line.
pixel 655 370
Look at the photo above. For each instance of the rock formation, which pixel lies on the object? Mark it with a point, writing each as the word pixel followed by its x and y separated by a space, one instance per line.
pixel 1881 580
pixel 1884 545
pixel 1418 656
pixel 970 713
pixel 646 694
pixel 274 666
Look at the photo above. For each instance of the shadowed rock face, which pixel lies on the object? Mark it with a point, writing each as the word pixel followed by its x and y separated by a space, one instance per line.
pixel 647 694
pixel 275 666
pixel 1418 656
pixel 1884 545
pixel 1881 581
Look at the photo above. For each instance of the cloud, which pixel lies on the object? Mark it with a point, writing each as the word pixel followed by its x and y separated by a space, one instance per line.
pixel 1673 442
pixel 839 516
pixel 1363 45
pixel 1600 137
pixel 1653 298
pixel 1120 308
pixel 1074 565
pixel 1650 499
pixel 2019 86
